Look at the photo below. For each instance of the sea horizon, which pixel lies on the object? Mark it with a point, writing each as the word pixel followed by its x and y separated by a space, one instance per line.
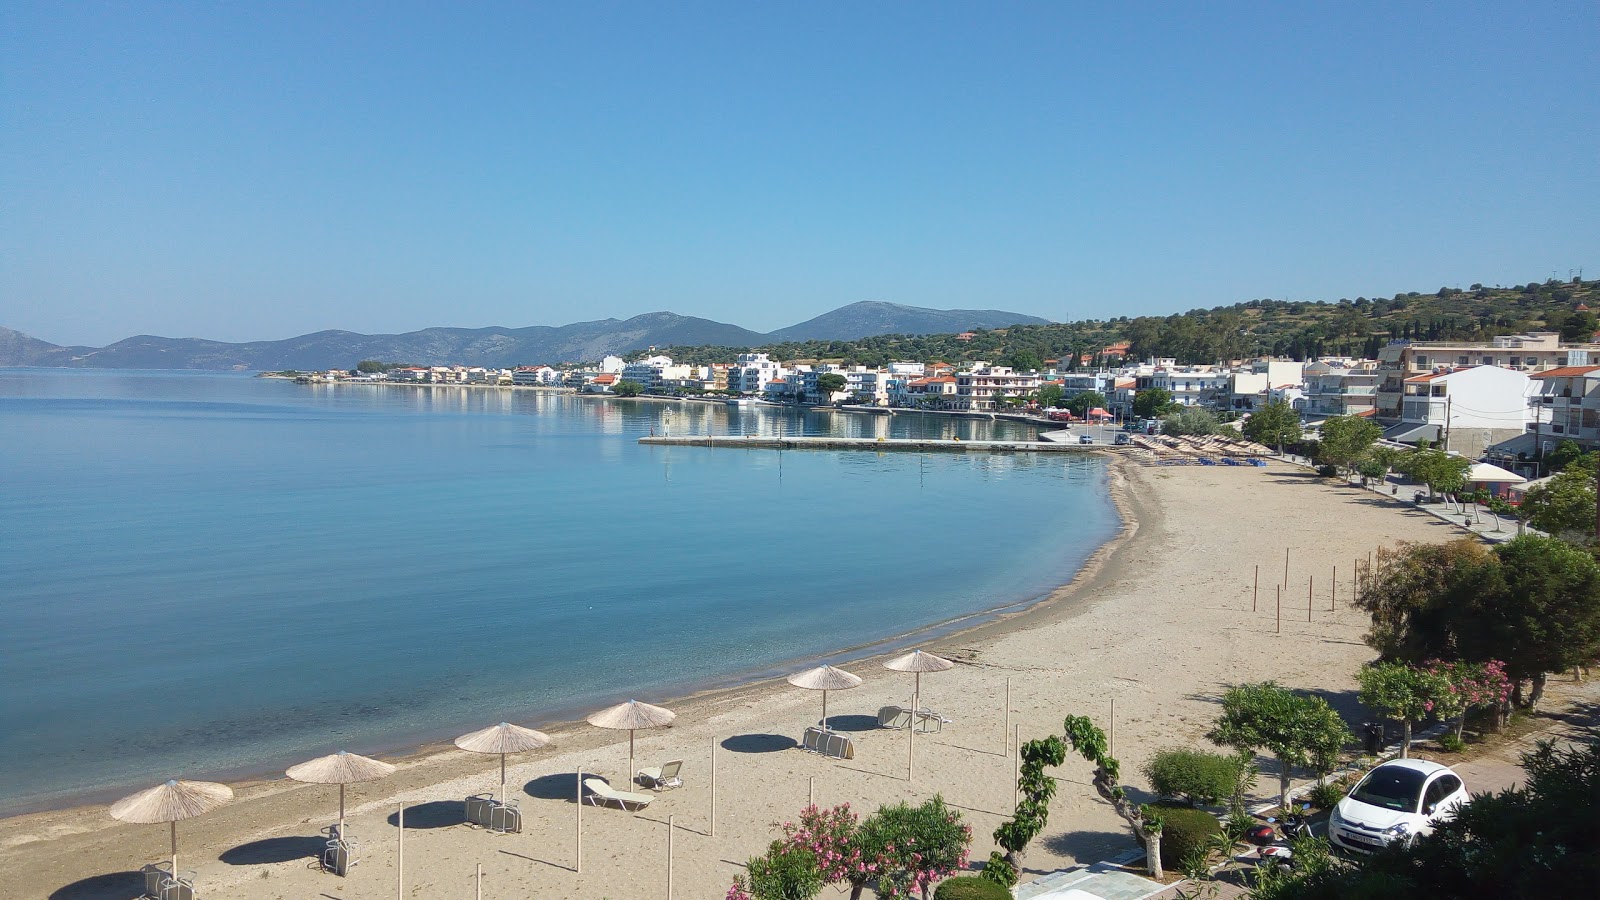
pixel 248 467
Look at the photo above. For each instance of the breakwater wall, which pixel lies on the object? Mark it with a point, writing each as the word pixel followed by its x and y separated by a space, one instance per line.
pixel 769 442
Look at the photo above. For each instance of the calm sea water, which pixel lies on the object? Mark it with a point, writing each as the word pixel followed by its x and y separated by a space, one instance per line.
pixel 209 574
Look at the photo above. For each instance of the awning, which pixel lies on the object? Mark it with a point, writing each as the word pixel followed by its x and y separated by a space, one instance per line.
pixel 1411 433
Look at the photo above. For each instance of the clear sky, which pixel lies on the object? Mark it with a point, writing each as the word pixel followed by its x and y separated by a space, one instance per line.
pixel 259 170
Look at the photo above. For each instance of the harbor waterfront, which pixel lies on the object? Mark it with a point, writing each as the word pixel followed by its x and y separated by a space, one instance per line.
pixel 215 574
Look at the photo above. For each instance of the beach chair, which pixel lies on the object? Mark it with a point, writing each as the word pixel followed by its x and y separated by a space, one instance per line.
pixel 339 854
pixel 154 874
pixel 176 889
pixel 837 746
pixel 812 739
pixel 505 818
pixel 929 721
pixel 893 717
pixel 601 793
pixel 662 778
pixel 478 809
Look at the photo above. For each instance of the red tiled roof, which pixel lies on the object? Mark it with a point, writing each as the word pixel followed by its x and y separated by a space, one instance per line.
pixel 1565 372
pixel 607 378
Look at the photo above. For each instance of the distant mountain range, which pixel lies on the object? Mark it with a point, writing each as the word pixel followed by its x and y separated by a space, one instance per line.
pixel 579 342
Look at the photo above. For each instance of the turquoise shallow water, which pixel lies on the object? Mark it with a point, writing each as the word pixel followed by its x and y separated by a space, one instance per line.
pixel 210 573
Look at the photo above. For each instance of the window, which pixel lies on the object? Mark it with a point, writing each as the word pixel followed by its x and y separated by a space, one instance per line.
pixel 1463 360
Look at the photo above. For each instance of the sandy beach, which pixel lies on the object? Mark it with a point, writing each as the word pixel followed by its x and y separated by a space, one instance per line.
pixel 1160 622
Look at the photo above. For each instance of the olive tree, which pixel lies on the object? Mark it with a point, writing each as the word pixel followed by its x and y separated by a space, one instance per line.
pixel 1293 727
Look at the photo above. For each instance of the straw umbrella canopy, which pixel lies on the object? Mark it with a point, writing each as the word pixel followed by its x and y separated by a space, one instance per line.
pixel 502 739
pixel 171 802
pixel 632 716
pixel 825 678
pixel 340 768
pixel 917 662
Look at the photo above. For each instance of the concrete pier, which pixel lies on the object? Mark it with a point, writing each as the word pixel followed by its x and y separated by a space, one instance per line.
pixel 768 442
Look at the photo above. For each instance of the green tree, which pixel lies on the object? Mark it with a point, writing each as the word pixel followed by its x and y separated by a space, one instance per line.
pixel 1537 840
pixel 1564 506
pixel 1293 727
pixel 1418 594
pixel 1403 693
pixel 1023 361
pixel 1565 454
pixel 1049 396
pixel 830 383
pixel 1152 402
pixel 1547 617
pixel 1080 404
pixel 1189 420
pixel 1274 425
pixel 627 388
pixel 1345 440
pixel 1440 471
pixel 912 847
pixel 372 366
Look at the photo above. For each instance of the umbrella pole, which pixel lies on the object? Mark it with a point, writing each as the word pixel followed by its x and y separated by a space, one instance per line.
pixel 824 711
pixel 341 812
pixel 630 759
pixel 174 848
pixel 502 779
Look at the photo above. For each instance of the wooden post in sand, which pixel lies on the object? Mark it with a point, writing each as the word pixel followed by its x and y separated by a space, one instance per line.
pixel 811 790
pixel 670 828
pixel 1016 770
pixel 577 864
pixel 1005 735
pixel 1112 738
pixel 1333 590
pixel 1255 589
pixel 480 881
pixel 400 853
pixel 1280 610
pixel 1286 567
pixel 713 831
pixel 1311 581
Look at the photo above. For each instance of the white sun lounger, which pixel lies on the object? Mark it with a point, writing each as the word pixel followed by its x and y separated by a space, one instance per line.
pixel 893 717
pixel 601 793
pixel 662 777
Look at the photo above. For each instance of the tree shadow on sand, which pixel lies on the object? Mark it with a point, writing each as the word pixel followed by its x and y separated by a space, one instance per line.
pixel 111 886
pixel 759 743
pixel 274 850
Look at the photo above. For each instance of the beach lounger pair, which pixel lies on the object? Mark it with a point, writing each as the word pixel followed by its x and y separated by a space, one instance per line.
pixel 662 778
pixel 924 720
pixel 160 884
pixel 828 743
pixel 484 811
pixel 600 794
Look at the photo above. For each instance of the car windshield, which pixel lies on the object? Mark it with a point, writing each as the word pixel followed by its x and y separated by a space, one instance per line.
pixel 1391 787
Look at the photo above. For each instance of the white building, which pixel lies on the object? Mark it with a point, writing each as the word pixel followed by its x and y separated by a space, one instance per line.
pixel 648 372
pixel 535 376
pixel 752 372
pixel 1465 410
pixel 1338 388
pixel 612 365
pixel 1532 353
pixel 980 388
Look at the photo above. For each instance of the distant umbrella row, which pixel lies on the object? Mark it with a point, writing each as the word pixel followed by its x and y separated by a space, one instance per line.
pixel 177 800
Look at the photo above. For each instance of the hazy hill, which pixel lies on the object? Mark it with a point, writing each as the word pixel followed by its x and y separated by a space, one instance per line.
pixel 578 342
pixel 870 317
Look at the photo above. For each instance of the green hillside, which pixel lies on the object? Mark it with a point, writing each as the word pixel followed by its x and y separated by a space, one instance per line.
pixel 1296 329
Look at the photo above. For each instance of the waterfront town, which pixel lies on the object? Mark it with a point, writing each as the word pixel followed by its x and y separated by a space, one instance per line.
pixel 1509 400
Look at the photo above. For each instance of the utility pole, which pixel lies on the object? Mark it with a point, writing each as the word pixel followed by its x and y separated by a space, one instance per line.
pixel 1447 400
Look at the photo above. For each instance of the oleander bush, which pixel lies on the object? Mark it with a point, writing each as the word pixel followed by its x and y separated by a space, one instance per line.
pixel 970 887
pixel 1194 776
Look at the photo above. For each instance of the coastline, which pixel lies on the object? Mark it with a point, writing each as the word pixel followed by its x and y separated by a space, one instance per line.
pixel 1151 620
pixel 560 722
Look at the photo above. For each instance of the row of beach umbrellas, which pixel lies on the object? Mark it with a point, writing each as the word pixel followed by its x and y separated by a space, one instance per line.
pixel 174 801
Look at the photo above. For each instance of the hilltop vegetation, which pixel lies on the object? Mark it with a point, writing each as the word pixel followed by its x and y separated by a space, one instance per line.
pixel 1296 329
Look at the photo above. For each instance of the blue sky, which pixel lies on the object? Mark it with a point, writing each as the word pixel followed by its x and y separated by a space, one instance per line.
pixel 255 171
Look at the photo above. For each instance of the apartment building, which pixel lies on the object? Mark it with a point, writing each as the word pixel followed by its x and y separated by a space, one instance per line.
pixel 1565 406
pixel 1531 353
pixel 752 372
pixel 979 388
pixel 1465 410
pixel 1339 388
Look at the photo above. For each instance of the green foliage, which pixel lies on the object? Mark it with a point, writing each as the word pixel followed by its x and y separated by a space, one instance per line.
pixel 1440 471
pixel 1563 506
pixel 373 366
pixel 626 388
pixel 1532 841
pixel 1037 788
pixel 970 887
pixel 1274 425
pixel 1417 594
pixel 1400 691
pixel 829 383
pixel 1298 730
pixel 784 872
pixel 1189 420
pixel 1450 742
pixel 1152 402
pixel 1548 617
pixel 1346 439
pixel 1080 404
pixel 999 871
pixel 1195 776
pixel 1327 471
pixel 1565 454
pixel 1050 396
pixel 913 846
pixel 1327 795
pixel 1023 361
pixel 1184 831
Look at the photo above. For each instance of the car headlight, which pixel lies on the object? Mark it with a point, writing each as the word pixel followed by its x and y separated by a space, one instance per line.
pixel 1334 818
pixel 1400 829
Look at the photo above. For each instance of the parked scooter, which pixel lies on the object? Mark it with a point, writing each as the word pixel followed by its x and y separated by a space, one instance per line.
pixel 1275 843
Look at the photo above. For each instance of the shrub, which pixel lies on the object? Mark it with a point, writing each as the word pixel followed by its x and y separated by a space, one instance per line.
pixel 1195 776
pixel 970 887
pixel 999 872
pixel 1450 742
pixel 913 846
pixel 1183 830
pixel 1326 796
pixel 784 872
pixel 1328 471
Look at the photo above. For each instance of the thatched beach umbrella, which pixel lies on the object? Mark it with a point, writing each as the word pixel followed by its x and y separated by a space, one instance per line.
pixel 825 678
pixel 632 716
pixel 502 739
pixel 171 802
pixel 918 662
pixel 340 768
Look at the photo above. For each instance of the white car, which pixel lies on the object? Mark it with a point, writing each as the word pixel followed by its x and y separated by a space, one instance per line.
pixel 1395 802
